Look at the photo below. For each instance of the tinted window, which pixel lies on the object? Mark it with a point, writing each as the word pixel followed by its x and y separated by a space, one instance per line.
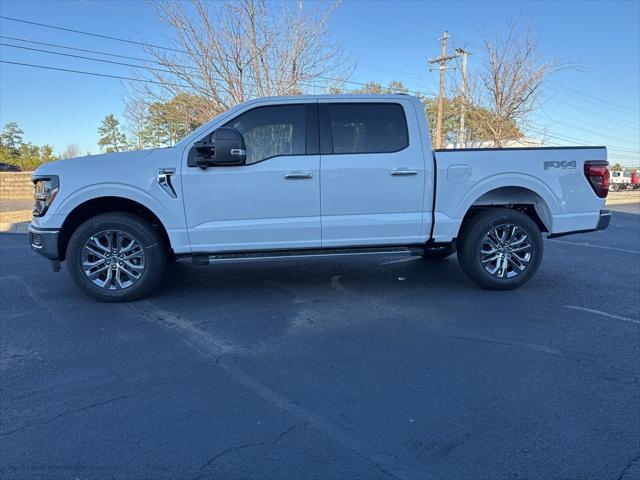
pixel 272 131
pixel 368 127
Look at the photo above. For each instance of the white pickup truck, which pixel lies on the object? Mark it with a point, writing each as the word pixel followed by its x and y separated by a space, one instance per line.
pixel 300 177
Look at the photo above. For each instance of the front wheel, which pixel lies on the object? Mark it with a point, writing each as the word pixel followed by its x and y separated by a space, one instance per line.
pixel 500 248
pixel 116 257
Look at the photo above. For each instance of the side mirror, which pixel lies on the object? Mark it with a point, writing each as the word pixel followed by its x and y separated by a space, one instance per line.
pixel 226 149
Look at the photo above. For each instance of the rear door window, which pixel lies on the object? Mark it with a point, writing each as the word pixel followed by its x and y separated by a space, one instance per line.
pixel 363 128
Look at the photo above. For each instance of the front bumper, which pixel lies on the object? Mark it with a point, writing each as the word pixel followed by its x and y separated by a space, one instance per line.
pixel 604 219
pixel 45 242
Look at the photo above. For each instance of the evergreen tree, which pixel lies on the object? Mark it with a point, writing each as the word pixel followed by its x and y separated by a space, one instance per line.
pixel 112 137
pixel 11 137
pixel 156 131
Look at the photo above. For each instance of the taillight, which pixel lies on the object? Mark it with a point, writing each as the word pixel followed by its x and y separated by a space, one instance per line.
pixel 597 174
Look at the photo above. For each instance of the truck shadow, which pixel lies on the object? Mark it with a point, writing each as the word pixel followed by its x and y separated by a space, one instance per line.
pixel 346 275
pixel 258 305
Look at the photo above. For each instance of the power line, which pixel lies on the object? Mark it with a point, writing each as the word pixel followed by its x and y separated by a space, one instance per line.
pixel 57 45
pixel 565 138
pixel 147 44
pixel 120 77
pixel 152 45
pixel 108 37
pixel 553 112
pixel 585 129
pixel 606 107
pixel 245 83
pixel 83 57
pixel 81 72
pixel 591 112
pixel 95 74
pixel 593 97
pixel 616 156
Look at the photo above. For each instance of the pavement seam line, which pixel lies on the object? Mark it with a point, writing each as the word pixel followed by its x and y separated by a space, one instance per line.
pixel 600 312
pixel 205 344
pixel 585 244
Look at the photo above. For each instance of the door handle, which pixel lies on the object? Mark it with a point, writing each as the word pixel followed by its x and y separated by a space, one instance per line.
pixel 298 175
pixel 403 172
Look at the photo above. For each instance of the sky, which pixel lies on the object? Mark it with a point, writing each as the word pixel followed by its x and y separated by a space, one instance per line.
pixel 595 102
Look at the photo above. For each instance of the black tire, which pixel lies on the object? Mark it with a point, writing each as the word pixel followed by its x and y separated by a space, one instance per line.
pixel 470 244
pixel 152 244
pixel 438 253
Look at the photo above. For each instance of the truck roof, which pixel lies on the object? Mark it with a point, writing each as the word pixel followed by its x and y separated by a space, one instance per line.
pixel 341 96
pixel 292 99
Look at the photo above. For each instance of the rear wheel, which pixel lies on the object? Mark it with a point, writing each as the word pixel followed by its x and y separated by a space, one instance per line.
pixel 500 248
pixel 116 257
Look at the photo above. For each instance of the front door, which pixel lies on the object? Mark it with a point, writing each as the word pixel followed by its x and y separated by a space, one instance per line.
pixel 273 201
pixel 372 173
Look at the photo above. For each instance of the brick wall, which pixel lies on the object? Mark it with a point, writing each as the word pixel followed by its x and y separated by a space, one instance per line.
pixel 16 185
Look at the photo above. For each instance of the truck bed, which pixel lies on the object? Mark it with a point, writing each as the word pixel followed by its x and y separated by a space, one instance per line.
pixel 552 176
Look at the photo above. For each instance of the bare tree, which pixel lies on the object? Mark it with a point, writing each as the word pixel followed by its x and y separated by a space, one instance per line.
pixel 72 151
pixel 509 84
pixel 226 52
pixel 136 114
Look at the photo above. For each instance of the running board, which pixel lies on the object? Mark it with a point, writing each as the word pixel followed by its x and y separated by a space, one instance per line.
pixel 235 257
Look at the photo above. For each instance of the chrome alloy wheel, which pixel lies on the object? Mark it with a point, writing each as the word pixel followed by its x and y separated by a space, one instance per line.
pixel 505 251
pixel 113 259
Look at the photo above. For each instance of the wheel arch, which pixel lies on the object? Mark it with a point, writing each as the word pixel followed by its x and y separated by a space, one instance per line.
pixel 95 206
pixel 519 198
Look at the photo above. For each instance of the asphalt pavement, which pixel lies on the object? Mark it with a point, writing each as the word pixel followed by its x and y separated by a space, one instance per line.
pixel 366 367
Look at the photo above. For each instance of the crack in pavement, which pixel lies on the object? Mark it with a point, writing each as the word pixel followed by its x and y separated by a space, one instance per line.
pixel 216 457
pixel 68 412
pixel 19 355
pixel 590 366
pixel 633 461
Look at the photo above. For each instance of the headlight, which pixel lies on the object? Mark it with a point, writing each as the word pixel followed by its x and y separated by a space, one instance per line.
pixel 46 189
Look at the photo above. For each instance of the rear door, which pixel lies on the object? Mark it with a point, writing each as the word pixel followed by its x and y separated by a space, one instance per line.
pixel 372 173
pixel 273 201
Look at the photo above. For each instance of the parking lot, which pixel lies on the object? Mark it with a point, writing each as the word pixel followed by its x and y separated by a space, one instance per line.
pixel 372 367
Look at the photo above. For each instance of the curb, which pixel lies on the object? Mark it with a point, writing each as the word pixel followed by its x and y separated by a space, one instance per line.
pixel 623 201
pixel 20 227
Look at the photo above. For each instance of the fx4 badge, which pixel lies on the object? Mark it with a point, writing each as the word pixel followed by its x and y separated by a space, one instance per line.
pixel 564 165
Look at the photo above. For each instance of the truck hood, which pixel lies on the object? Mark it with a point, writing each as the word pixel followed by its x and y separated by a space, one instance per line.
pixel 91 162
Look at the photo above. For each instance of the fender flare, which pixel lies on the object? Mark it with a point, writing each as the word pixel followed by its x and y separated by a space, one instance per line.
pixel 511 180
pixel 121 190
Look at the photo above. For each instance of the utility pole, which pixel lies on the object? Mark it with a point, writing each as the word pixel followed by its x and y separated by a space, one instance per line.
pixel 465 93
pixel 442 60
